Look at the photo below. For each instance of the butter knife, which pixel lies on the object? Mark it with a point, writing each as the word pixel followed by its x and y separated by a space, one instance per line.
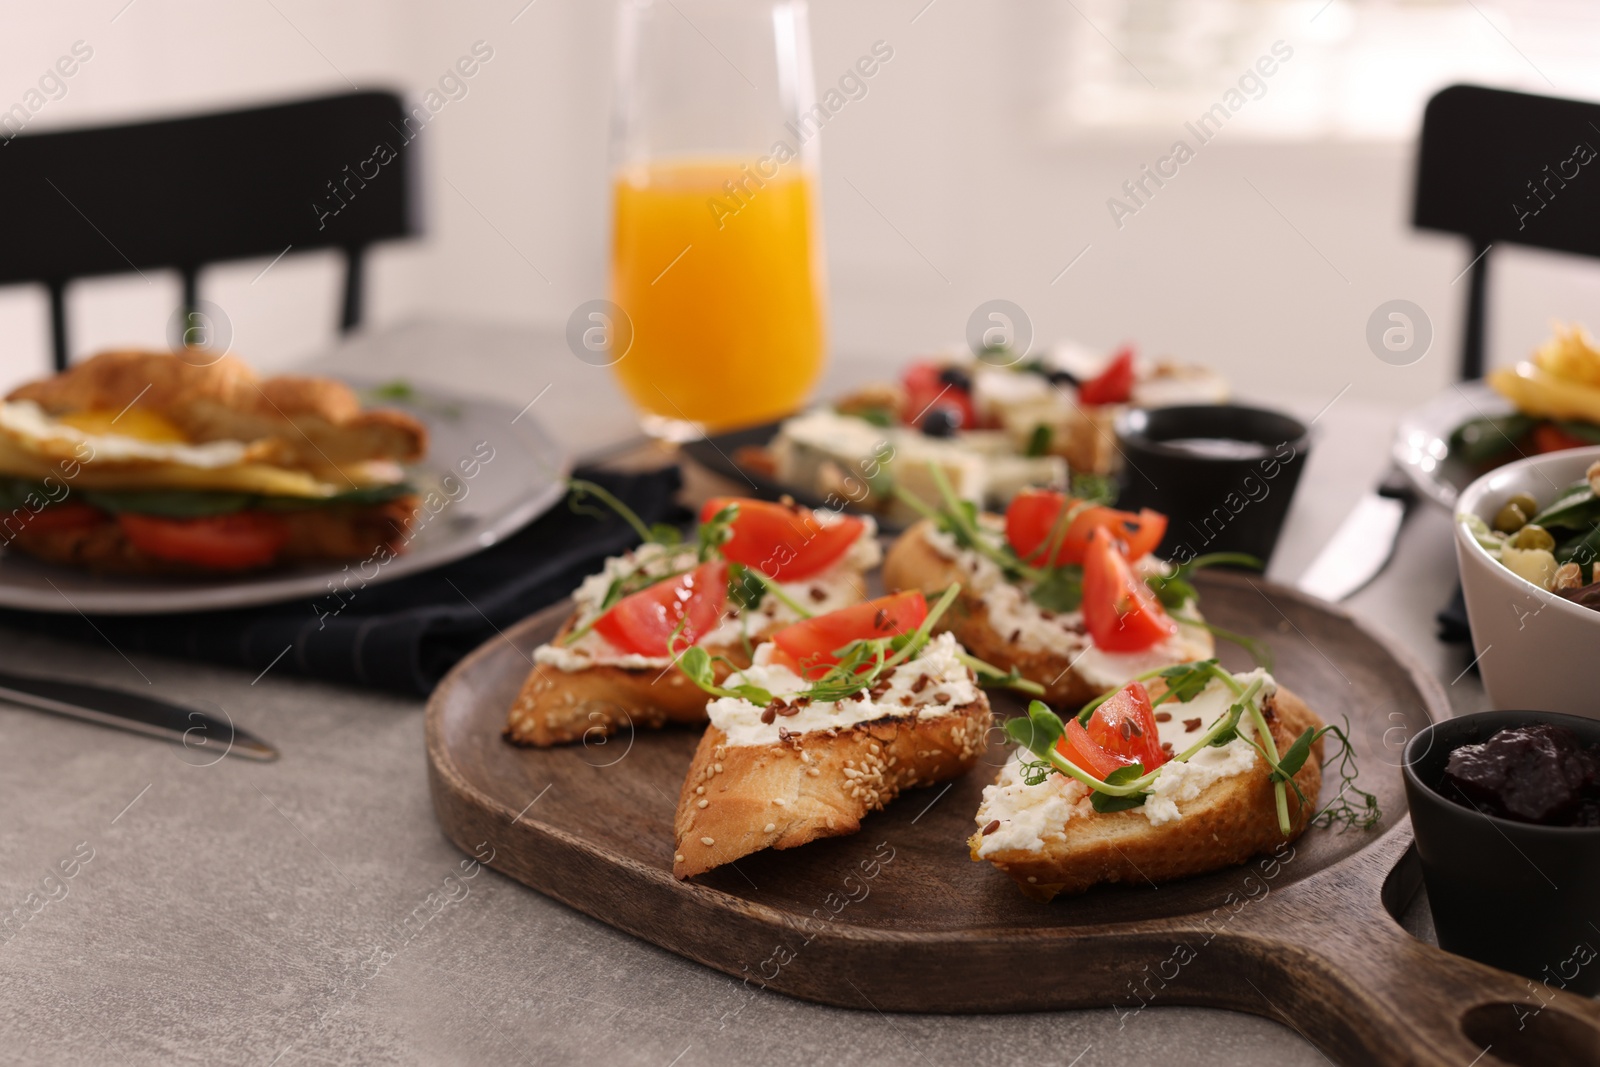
pixel 1362 544
pixel 132 711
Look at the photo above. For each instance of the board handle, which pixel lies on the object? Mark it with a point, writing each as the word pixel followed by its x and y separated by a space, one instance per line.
pixel 1369 992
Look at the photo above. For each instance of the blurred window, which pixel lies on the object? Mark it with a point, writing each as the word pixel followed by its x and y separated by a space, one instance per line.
pixel 1360 69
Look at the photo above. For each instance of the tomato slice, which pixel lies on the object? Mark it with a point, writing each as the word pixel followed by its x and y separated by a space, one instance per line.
pixel 1120 611
pixel 643 622
pixel 812 644
pixel 1125 726
pixel 230 542
pixel 1079 747
pixel 926 390
pixel 1548 437
pixel 784 541
pixel 1114 385
pixel 1031 519
pixel 59 517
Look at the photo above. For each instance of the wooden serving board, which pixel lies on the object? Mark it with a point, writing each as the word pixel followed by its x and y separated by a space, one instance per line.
pixel 898 918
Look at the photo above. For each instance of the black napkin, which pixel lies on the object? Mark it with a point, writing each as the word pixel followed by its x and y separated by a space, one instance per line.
pixel 405 634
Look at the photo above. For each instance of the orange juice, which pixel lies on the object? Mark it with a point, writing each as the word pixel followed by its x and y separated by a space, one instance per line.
pixel 723 289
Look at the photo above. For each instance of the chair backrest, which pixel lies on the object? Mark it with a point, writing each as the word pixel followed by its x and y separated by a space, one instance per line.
pixel 180 193
pixel 1500 167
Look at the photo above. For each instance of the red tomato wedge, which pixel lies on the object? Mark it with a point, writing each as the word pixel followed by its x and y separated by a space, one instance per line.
pixel 782 541
pixel 1120 611
pixel 231 542
pixel 643 622
pixel 1125 726
pixel 1114 385
pixel 59 517
pixel 1548 437
pixel 926 390
pixel 812 643
pixel 1031 519
pixel 1077 746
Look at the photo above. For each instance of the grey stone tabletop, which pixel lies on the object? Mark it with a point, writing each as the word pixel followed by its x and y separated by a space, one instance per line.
pixel 310 911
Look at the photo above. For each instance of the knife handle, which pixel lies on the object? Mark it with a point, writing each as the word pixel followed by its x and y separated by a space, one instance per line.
pixel 1396 486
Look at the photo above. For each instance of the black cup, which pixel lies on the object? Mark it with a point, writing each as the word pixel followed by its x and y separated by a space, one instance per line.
pixel 1223 474
pixel 1511 894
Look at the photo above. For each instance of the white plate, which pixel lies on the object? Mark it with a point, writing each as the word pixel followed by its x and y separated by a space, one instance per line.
pixel 522 477
pixel 1422 439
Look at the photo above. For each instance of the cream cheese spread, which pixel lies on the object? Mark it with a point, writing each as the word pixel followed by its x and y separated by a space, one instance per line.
pixel 838 586
pixel 932 684
pixel 1014 616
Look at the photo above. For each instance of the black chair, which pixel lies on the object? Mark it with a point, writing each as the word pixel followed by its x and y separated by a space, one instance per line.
pixel 334 172
pixel 1501 167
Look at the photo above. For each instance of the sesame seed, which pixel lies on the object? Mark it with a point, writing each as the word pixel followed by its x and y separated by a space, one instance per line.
pixel 699 789
pixel 708 840
pixel 1031 878
pixel 779 801
pixel 813 772
pixel 771 826
pixel 703 802
pixel 719 768
pixel 678 858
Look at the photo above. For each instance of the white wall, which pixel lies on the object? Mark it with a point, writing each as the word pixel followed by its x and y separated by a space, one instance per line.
pixel 945 162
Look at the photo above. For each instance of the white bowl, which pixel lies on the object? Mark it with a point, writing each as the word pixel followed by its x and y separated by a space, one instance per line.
pixel 1536 651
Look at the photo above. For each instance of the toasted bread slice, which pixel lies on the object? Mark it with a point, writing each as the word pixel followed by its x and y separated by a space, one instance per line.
pixel 316 421
pixel 555 706
pixel 739 799
pixel 913 563
pixel 375 532
pixel 1230 821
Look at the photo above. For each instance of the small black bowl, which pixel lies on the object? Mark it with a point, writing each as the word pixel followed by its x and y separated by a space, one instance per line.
pixel 1518 896
pixel 1223 474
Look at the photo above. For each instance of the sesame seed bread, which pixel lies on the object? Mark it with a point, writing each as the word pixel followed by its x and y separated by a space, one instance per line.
pixel 1229 822
pixel 555 706
pixel 739 799
pixel 316 422
pixel 913 563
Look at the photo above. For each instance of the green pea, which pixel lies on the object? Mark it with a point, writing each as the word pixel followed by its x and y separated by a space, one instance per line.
pixel 1533 535
pixel 1510 518
pixel 1529 506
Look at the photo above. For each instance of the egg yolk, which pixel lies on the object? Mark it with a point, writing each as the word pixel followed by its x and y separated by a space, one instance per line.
pixel 136 422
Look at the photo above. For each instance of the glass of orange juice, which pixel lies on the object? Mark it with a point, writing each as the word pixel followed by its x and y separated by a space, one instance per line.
pixel 716 256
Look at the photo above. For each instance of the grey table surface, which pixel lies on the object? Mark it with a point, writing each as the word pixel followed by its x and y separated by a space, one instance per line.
pixel 311 911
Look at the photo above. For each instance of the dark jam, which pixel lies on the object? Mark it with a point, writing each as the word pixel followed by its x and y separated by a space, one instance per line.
pixel 1540 774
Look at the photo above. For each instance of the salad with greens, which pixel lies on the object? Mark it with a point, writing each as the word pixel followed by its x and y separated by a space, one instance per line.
pixel 1554 547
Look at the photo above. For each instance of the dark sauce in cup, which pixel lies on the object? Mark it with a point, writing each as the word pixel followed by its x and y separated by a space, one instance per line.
pixel 1541 773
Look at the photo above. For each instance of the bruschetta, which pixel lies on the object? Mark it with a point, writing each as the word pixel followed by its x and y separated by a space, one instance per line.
pixel 753 568
pixel 1064 591
pixel 1148 789
pixel 835 718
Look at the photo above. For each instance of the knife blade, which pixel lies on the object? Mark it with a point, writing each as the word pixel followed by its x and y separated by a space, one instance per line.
pixel 132 711
pixel 1362 544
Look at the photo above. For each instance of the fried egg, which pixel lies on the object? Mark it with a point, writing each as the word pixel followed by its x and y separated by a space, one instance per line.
pixel 139 449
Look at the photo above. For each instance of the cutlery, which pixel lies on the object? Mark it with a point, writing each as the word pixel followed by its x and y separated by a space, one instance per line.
pixel 1363 543
pixel 131 711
